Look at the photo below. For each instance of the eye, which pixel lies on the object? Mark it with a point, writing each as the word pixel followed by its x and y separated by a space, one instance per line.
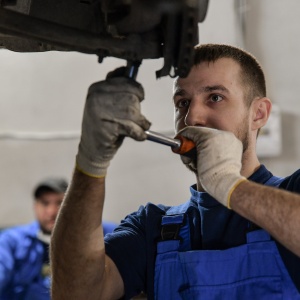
pixel 182 103
pixel 216 98
pixel 44 203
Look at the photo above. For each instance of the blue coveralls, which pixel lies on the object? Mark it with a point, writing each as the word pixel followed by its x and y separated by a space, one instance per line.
pixel 23 271
pixel 254 270
pixel 21 263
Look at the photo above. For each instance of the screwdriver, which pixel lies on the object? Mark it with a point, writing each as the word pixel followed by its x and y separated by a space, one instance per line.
pixel 179 145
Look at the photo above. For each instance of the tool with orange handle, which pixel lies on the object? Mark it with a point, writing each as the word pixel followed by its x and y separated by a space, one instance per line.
pixel 179 145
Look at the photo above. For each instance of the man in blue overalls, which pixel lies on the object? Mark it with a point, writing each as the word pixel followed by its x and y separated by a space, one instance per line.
pixel 238 237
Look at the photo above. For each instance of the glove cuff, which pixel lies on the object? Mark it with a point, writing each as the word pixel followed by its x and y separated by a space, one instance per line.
pixel 235 185
pixel 91 168
pixel 223 186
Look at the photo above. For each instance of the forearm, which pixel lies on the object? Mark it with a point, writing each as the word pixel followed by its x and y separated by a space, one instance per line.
pixel 80 268
pixel 275 210
pixel 77 246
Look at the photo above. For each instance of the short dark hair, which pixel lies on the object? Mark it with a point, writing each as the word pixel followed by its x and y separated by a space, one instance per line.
pixel 56 185
pixel 252 75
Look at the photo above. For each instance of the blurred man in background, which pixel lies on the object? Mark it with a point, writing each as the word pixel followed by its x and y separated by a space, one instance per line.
pixel 24 250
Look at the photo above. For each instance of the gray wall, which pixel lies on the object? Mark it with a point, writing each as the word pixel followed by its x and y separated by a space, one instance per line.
pixel 272 34
pixel 43 94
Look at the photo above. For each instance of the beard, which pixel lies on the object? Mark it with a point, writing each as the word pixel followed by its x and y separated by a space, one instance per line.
pixel 242 133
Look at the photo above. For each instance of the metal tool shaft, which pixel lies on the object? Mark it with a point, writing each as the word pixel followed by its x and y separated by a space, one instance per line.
pixel 162 139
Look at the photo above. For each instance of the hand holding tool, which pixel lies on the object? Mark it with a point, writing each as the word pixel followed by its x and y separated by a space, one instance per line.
pixel 112 111
pixel 218 162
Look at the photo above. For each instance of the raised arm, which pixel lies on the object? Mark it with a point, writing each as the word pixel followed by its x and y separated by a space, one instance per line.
pixel 80 268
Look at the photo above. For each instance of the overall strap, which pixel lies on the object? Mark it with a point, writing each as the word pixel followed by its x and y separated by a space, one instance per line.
pixel 175 228
pixel 274 181
pixel 259 235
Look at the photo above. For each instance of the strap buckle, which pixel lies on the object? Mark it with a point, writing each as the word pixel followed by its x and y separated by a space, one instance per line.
pixel 171 227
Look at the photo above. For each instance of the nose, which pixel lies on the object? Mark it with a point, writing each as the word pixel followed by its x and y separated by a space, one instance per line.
pixel 196 114
pixel 52 210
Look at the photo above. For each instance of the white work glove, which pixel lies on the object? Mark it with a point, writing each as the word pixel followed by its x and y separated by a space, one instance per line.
pixel 112 111
pixel 218 162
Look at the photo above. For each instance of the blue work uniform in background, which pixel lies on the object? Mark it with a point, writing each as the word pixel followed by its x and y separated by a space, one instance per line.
pixel 24 263
pixel 24 273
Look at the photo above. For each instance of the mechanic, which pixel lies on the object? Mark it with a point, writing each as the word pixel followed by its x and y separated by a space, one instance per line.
pixel 24 250
pixel 238 237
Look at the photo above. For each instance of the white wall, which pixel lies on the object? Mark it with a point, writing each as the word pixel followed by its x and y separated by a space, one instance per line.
pixel 272 35
pixel 45 92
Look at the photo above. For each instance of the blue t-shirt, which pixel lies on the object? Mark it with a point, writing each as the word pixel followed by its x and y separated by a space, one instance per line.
pixel 212 227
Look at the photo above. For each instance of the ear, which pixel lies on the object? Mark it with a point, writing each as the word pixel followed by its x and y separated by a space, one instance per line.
pixel 261 109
